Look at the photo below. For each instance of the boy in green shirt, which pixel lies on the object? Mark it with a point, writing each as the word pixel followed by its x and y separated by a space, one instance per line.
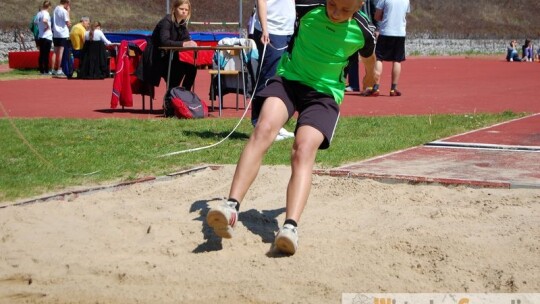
pixel 309 80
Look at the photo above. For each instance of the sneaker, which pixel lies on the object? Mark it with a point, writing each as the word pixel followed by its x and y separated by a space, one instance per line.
pixel 287 239
pixel 60 74
pixel 53 72
pixel 284 134
pixel 223 218
pixel 370 92
pixel 395 93
pixel 351 89
pixel 279 138
pixel 46 74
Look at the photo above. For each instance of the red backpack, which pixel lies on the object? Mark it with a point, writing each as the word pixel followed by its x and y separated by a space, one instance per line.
pixel 184 104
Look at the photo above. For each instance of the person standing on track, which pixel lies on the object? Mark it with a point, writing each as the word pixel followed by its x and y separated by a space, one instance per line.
pixel 391 15
pixel 273 28
pixel 61 24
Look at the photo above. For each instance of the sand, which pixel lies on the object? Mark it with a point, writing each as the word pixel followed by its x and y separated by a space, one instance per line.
pixel 148 243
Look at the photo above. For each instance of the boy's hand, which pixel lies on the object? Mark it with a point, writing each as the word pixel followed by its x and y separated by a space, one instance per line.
pixel 371 76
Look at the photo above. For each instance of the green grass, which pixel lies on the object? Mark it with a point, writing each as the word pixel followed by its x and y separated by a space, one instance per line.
pixel 20 74
pixel 59 152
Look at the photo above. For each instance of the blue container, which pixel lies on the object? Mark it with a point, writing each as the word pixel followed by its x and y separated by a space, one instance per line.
pixel 117 37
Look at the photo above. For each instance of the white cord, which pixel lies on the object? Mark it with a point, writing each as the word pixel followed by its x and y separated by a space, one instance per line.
pixel 235 127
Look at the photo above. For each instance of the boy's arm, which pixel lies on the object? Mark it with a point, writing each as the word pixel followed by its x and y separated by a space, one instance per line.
pixel 370 77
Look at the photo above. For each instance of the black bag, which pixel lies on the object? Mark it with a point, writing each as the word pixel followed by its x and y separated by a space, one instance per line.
pixel 184 104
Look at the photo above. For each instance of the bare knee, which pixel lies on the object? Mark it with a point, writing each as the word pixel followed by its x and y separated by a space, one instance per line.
pixel 303 153
pixel 264 131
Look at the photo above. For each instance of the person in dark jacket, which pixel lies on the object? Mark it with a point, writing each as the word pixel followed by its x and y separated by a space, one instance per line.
pixel 170 31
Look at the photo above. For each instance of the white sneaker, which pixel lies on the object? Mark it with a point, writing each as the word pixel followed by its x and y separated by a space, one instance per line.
pixel 60 73
pixel 279 137
pixel 287 239
pixel 223 218
pixel 284 134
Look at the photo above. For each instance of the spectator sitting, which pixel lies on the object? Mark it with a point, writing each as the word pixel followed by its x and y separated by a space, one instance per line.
pixel 527 51
pixel 76 35
pixel 512 53
pixel 95 33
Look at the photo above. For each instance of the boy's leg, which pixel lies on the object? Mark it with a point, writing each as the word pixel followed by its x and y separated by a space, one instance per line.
pixel 305 147
pixel 272 117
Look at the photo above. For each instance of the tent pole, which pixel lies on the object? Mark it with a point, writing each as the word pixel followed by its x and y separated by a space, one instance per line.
pixel 240 20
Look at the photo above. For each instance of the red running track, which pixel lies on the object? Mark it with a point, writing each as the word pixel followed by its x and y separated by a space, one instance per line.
pixel 430 85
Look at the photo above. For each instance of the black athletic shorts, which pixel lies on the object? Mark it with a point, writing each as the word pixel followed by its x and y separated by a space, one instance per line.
pixel 57 42
pixel 315 109
pixel 390 48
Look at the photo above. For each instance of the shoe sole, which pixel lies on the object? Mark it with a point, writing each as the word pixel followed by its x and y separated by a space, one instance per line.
pixel 217 220
pixel 285 245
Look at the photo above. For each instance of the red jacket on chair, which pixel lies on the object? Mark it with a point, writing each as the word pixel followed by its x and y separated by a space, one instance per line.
pixel 121 92
pixel 125 83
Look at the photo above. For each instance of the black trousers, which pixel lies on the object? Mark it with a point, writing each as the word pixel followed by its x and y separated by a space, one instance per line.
pixel 44 51
pixel 181 72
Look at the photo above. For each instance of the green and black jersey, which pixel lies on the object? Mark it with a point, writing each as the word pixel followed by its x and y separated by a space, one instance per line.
pixel 320 49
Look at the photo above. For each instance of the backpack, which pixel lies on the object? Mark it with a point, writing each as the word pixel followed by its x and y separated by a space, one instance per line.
pixel 182 103
pixel 34 27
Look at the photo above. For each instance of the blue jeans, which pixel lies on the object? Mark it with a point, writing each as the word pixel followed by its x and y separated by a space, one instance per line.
pixel 277 46
pixel 352 71
pixel 274 50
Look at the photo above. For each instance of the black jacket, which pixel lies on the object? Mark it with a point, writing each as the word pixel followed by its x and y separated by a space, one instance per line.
pixel 94 63
pixel 155 61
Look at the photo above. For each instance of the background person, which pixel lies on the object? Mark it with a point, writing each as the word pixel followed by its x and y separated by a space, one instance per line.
pixel 45 37
pixel 512 52
pixel 170 31
pixel 34 28
pixel 391 17
pixel 76 36
pixel 527 51
pixel 96 34
pixel 273 27
pixel 60 28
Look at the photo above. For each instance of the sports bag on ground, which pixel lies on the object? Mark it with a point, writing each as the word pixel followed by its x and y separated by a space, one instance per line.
pixel 184 104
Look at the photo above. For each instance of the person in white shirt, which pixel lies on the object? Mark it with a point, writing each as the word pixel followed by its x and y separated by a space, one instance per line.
pixel 45 36
pixel 96 34
pixel 273 28
pixel 61 24
pixel 391 15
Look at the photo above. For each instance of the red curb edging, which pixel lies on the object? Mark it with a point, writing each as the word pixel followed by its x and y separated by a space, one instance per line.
pixel 414 180
pixel 76 193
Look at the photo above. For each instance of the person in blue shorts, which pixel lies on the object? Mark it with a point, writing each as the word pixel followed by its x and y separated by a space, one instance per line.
pixel 309 81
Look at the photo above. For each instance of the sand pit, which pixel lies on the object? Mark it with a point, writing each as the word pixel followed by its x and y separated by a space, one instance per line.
pixel 148 243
